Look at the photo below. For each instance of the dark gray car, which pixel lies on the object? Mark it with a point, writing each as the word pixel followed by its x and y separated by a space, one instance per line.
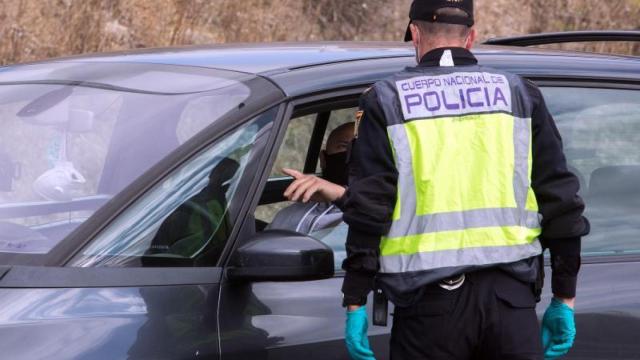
pixel 135 189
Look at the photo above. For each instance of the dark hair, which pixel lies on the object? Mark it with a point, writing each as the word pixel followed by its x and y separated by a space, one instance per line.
pixel 344 127
pixel 443 29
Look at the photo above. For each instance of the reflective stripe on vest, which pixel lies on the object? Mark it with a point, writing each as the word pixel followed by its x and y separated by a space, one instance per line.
pixel 464 169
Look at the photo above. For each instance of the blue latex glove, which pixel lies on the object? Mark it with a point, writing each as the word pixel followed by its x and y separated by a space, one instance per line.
pixel 558 329
pixel 356 335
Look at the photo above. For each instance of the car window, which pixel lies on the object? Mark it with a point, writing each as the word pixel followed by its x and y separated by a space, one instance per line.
pixel 336 119
pixel 319 220
pixel 600 130
pixel 292 154
pixel 185 219
pixel 293 151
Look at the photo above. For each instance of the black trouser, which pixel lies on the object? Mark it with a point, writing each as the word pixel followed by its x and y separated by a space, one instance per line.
pixel 491 316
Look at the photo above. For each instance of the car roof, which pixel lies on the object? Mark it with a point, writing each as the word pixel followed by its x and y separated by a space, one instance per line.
pixel 316 66
pixel 261 58
pixel 256 58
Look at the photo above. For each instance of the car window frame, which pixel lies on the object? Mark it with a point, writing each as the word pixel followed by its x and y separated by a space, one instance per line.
pixel 591 83
pixel 320 121
pixel 320 104
pixel 300 106
pixel 323 115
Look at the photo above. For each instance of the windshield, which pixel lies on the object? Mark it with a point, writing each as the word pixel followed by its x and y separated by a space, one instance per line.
pixel 74 135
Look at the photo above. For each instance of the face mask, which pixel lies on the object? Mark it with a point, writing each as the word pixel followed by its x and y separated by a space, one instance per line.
pixel 335 168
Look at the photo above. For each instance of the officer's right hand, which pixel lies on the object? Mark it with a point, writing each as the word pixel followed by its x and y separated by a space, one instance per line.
pixel 307 188
pixel 356 335
pixel 558 329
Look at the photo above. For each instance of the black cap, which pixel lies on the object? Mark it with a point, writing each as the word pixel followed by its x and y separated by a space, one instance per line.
pixel 425 10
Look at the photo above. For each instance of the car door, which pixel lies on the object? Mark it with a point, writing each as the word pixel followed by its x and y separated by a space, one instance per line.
pixel 303 319
pixel 600 125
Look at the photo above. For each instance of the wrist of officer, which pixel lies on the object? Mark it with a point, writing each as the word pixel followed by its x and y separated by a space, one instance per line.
pixel 350 301
pixel 570 302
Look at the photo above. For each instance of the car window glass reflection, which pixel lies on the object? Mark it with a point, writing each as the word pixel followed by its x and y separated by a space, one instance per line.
pixel 600 128
pixel 187 218
pixel 201 219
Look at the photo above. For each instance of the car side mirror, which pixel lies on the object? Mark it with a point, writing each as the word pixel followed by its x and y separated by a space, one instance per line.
pixel 282 255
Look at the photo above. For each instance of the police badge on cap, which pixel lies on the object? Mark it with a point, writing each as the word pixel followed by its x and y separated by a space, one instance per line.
pixel 427 10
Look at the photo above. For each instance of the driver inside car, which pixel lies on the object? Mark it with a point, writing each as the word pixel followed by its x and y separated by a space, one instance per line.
pixel 310 214
pixel 200 224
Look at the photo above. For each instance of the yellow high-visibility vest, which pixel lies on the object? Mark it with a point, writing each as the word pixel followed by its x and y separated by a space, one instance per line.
pixel 462 144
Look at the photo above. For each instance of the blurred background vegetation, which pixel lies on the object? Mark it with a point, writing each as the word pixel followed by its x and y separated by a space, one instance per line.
pixel 37 29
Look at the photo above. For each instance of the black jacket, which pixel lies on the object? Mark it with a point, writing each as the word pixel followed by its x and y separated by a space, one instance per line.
pixel 369 202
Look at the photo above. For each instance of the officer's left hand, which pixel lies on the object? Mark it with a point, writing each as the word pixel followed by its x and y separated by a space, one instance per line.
pixel 356 335
pixel 558 329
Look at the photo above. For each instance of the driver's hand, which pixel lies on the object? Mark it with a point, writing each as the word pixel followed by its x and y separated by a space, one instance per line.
pixel 307 188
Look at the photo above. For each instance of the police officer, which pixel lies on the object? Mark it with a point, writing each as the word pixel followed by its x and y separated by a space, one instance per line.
pixel 458 182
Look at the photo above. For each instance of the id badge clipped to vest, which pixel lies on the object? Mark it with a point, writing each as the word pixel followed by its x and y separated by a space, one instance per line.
pixel 380 308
